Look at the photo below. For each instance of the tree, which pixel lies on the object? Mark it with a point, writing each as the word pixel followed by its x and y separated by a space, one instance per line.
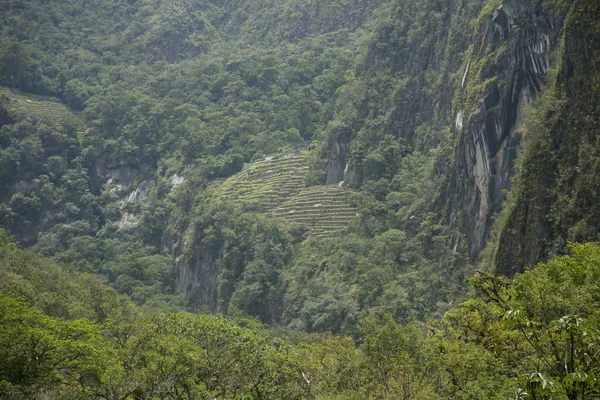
pixel 40 354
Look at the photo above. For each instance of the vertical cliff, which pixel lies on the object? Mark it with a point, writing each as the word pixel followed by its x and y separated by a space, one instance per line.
pixel 453 82
pixel 506 70
pixel 555 199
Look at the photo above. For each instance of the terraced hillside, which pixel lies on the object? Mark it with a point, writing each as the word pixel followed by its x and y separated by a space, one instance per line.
pixel 40 108
pixel 267 183
pixel 324 209
pixel 275 185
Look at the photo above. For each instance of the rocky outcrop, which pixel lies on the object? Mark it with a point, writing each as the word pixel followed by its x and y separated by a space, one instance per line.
pixel 337 164
pixel 197 273
pixel 556 200
pixel 129 219
pixel 122 181
pixel 481 102
pixel 520 40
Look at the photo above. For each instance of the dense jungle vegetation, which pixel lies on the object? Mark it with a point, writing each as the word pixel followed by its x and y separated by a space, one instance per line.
pixel 163 165
pixel 66 335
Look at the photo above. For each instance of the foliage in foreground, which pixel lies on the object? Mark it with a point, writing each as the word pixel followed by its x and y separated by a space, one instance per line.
pixel 65 335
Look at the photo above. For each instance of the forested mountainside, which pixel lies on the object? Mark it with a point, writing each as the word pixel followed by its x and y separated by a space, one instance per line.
pixel 65 335
pixel 321 166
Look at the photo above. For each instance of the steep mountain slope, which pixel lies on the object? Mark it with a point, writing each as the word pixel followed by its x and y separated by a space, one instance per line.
pixel 459 91
pixel 42 178
pixel 178 195
pixel 555 199
pixel 326 167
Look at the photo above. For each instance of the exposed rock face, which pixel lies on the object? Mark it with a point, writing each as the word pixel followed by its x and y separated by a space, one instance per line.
pixel 176 181
pixel 483 107
pixel 556 201
pixel 521 40
pixel 138 196
pixel 198 276
pixel 336 163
